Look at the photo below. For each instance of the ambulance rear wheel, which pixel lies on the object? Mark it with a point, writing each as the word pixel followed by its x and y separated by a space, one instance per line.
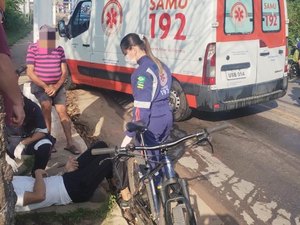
pixel 181 109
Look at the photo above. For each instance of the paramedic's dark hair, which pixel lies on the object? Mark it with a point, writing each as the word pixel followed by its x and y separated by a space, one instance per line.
pixel 133 39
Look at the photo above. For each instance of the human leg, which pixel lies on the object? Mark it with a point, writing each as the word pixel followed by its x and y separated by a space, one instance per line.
pixel 41 150
pixel 42 155
pixel 45 102
pixel 46 107
pixel 66 124
pixel 86 157
pixel 122 176
pixel 82 183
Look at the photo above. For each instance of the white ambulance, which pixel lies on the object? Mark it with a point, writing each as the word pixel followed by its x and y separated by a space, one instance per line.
pixel 223 54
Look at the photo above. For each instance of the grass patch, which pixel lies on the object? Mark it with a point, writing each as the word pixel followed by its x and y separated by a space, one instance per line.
pixel 76 217
pixel 14 35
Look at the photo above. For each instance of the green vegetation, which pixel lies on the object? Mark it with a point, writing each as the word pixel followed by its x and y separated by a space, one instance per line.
pixel 294 25
pixel 16 24
pixel 78 216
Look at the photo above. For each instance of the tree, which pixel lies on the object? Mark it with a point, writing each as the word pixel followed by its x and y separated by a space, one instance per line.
pixel 294 21
pixel 7 194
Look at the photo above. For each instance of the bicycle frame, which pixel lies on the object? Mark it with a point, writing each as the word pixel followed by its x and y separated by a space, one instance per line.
pixel 169 178
pixel 173 188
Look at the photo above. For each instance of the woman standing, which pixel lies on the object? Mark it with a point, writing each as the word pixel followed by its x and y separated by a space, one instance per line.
pixel 151 84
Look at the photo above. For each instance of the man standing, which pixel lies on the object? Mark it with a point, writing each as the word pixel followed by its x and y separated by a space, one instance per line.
pixel 10 91
pixel 47 69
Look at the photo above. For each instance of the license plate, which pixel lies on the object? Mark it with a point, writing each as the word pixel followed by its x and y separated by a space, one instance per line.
pixel 236 74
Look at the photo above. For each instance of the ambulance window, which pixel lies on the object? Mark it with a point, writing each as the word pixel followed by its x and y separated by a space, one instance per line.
pixel 81 18
pixel 239 17
pixel 270 15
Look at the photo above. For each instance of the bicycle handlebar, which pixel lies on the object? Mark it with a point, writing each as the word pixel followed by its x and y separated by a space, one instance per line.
pixel 217 128
pixel 116 150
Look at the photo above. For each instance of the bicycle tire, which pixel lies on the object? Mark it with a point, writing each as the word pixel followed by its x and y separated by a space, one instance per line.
pixel 178 210
pixel 142 214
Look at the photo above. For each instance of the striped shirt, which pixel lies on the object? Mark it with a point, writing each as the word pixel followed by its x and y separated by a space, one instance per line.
pixel 47 66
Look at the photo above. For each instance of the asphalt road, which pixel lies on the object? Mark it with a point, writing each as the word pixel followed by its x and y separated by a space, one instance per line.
pixel 253 177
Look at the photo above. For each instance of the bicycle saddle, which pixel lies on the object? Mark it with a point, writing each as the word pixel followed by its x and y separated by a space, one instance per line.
pixel 137 126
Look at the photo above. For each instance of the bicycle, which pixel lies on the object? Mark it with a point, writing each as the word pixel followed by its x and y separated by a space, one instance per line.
pixel 168 203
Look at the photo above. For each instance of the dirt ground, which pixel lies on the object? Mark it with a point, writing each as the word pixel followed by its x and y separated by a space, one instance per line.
pixel 93 120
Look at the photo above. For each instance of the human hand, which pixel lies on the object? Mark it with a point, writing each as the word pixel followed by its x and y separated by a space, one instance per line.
pixel 11 162
pixel 126 141
pixel 40 173
pixel 72 164
pixel 18 150
pixel 52 90
pixel 18 115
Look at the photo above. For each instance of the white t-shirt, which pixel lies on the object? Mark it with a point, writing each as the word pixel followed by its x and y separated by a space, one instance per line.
pixel 56 193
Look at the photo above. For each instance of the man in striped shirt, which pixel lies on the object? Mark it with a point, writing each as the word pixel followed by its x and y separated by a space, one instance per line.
pixel 47 69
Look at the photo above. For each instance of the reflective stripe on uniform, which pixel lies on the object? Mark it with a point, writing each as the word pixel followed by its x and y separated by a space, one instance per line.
pixel 154 84
pixel 144 105
pixel 42 142
pixel 45 130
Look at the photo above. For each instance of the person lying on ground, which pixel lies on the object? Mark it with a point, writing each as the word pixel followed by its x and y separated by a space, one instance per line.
pixel 81 178
pixel 32 138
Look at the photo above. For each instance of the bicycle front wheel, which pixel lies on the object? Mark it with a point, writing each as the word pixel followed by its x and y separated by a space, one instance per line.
pixel 144 211
pixel 177 208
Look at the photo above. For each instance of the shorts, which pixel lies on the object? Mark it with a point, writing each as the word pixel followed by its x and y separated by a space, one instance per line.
pixel 58 99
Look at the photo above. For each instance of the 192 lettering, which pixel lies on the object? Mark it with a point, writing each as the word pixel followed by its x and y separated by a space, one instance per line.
pixel 271 20
pixel 165 25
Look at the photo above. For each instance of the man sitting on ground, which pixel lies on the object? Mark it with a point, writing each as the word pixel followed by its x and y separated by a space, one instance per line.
pixel 32 138
pixel 82 177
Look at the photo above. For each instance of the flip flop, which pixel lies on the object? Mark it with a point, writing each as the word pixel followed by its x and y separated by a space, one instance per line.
pixel 72 149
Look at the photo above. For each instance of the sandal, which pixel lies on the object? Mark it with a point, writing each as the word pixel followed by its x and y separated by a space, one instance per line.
pixel 72 149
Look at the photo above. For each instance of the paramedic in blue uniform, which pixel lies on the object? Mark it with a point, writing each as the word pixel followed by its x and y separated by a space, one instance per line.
pixel 151 84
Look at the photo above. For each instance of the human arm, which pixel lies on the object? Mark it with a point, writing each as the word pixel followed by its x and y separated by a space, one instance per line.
pixel 2 9
pixel 34 125
pixel 63 68
pixel 38 193
pixel 2 5
pixel 143 87
pixel 71 165
pixel 55 87
pixel 34 137
pixel 9 86
pixel 30 61
pixel 63 77
pixel 34 78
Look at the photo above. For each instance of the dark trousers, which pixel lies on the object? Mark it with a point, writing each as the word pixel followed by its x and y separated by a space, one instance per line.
pixel 158 131
pixel 82 183
pixel 41 155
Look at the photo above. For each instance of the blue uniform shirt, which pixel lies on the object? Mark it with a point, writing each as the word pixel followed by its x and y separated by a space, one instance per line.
pixel 151 92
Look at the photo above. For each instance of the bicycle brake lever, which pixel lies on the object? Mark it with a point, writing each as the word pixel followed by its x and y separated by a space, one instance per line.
pixel 206 140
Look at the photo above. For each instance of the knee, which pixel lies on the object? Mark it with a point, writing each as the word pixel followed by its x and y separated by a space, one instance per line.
pixel 46 105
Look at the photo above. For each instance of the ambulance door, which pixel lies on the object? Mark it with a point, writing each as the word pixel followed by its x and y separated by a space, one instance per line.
pixel 271 54
pixel 236 49
pixel 79 29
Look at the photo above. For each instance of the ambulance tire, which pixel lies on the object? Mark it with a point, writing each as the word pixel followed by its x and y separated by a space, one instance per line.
pixel 69 85
pixel 181 109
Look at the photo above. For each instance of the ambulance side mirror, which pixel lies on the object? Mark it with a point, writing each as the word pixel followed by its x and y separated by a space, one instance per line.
pixel 61 27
